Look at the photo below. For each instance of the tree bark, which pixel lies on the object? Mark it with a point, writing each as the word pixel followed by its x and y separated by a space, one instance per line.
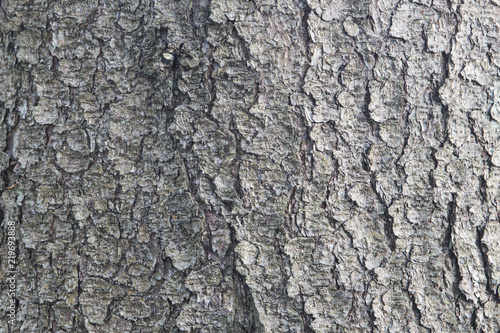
pixel 250 166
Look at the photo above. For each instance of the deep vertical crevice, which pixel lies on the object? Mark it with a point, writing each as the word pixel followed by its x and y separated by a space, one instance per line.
pixel 306 147
pixel 483 250
pixel 414 306
pixel 245 297
pixel 388 219
pixel 449 247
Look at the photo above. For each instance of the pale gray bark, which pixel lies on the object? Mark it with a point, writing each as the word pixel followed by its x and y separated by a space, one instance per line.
pixel 251 166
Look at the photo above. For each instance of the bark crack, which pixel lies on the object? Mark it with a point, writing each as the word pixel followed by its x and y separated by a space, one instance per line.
pixel 306 149
pixel 388 219
pixel 483 250
pixel 449 247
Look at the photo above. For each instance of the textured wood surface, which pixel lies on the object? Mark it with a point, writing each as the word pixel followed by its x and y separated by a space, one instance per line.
pixel 251 166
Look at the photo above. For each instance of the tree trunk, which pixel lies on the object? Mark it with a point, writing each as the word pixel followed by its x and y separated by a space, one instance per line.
pixel 250 166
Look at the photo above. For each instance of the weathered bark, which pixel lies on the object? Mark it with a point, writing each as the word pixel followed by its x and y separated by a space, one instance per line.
pixel 251 166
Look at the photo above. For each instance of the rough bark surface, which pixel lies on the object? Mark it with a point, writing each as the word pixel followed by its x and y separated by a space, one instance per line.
pixel 251 166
